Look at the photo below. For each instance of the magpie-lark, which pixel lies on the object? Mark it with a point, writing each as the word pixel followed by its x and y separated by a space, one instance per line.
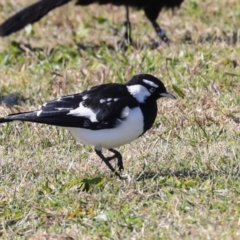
pixel 39 9
pixel 105 116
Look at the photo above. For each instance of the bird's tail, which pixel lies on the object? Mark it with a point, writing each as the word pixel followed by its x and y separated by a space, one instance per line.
pixel 25 116
pixel 3 120
pixel 50 118
pixel 29 15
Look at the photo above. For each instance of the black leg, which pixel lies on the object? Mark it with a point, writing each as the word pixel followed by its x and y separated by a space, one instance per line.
pixel 160 32
pixel 127 25
pixel 105 160
pixel 126 31
pixel 152 12
pixel 118 156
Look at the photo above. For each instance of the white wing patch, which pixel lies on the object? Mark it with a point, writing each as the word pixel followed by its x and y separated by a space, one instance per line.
pixel 150 83
pixel 83 111
pixel 139 92
pixel 63 109
pixel 125 112
pixel 102 100
pixel 39 113
pixel 85 97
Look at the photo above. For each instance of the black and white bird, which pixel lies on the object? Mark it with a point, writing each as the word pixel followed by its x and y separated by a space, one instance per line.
pixel 39 9
pixel 105 116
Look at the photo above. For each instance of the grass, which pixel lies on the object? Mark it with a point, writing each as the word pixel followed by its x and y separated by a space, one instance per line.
pixel 182 175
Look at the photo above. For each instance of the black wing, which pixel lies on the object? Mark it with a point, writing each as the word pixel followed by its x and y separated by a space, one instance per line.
pixel 98 108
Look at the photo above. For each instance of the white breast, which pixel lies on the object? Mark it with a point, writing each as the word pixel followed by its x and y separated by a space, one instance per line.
pixel 127 131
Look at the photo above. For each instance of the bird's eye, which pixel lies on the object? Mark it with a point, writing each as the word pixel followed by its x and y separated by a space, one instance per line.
pixel 152 90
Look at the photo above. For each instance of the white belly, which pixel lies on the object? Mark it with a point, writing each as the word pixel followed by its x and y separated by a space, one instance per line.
pixel 127 131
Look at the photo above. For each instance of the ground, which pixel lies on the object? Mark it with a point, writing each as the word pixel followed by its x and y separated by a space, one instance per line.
pixel 182 176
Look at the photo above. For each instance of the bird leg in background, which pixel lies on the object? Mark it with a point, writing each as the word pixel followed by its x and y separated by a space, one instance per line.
pixel 127 25
pixel 118 156
pixel 126 30
pixel 106 161
pixel 160 32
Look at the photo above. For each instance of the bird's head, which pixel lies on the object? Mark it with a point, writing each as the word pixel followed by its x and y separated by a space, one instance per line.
pixel 147 87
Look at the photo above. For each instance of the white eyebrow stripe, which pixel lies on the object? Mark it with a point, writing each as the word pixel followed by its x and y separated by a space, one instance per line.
pixel 152 84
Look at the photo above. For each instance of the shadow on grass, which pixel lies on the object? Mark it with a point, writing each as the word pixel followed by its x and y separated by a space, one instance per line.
pixel 93 47
pixel 22 47
pixel 25 47
pixel 227 38
pixel 189 173
pixel 185 173
pixel 12 99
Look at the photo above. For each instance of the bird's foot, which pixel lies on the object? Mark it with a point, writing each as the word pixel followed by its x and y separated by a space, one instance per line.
pixel 119 162
pixel 163 36
pixel 123 44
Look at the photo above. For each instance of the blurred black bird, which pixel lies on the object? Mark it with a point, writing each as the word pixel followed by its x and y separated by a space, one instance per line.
pixel 36 11
pixel 105 116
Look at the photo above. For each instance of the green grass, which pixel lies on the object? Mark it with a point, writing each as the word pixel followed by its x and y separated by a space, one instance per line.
pixel 182 175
